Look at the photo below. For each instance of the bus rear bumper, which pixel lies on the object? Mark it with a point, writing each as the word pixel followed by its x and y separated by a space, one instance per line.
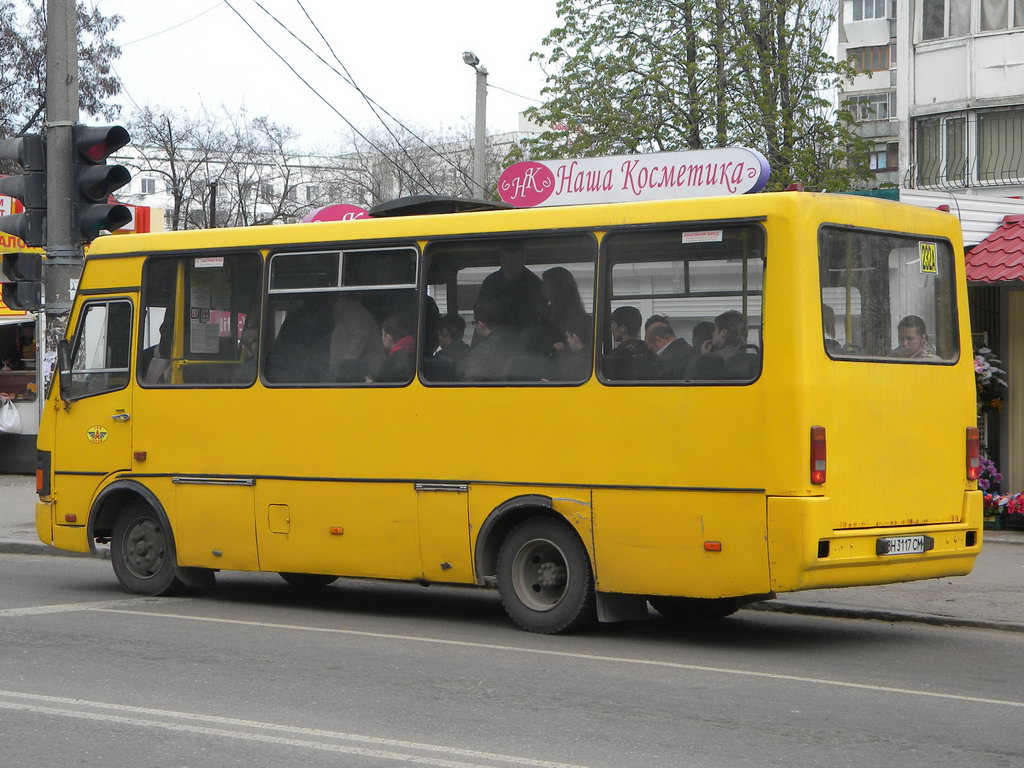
pixel 73 538
pixel 44 521
pixel 806 553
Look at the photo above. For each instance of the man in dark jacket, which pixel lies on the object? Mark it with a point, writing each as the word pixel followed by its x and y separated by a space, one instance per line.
pixel 672 353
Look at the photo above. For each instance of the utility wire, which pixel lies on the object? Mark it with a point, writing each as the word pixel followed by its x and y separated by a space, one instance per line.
pixel 513 93
pixel 373 104
pixel 347 77
pixel 179 24
pixel 330 106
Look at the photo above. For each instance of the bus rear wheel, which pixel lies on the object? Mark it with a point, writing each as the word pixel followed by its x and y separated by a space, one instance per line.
pixel 544 578
pixel 685 609
pixel 308 580
pixel 142 552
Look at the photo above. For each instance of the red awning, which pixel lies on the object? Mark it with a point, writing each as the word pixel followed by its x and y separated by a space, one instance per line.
pixel 1000 256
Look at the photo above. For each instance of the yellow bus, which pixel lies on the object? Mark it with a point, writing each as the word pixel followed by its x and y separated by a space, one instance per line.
pixel 692 403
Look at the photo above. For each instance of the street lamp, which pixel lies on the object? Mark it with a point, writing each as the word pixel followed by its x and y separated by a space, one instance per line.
pixel 479 150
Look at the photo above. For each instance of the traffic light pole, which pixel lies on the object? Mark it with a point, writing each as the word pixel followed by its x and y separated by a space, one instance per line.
pixel 63 264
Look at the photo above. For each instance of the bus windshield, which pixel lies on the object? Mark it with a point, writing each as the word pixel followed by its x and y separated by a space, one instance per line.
pixel 887 297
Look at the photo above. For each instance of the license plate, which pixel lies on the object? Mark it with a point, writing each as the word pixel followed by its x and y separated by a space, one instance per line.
pixel 904 545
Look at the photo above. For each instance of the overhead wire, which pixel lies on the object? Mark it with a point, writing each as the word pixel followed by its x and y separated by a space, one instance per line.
pixel 175 26
pixel 371 102
pixel 320 96
pixel 347 77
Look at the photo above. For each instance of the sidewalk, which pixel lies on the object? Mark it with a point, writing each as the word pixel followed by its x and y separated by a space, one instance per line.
pixel 990 597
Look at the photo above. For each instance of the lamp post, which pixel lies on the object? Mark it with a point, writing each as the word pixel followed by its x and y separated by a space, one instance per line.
pixel 480 138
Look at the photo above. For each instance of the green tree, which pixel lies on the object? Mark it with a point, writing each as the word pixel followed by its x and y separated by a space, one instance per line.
pixel 627 76
pixel 23 65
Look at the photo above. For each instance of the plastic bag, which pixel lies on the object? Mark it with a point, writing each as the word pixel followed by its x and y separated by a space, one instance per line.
pixel 10 421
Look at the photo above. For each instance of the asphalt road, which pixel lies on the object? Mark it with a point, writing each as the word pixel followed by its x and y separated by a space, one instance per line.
pixel 367 674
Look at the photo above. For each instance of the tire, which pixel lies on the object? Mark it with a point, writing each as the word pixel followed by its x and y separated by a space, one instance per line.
pixel 544 578
pixel 690 609
pixel 308 580
pixel 142 552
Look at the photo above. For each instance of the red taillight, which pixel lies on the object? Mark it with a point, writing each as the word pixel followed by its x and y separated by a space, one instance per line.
pixel 973 454
pixel 817 455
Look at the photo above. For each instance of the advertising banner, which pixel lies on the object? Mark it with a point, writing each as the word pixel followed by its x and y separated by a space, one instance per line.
pixel 627 178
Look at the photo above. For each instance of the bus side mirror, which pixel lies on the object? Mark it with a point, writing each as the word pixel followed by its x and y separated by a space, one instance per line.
pixel 64 367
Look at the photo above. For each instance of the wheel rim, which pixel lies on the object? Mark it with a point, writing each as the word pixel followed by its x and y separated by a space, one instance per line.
pixel 540 575
pixel 144 548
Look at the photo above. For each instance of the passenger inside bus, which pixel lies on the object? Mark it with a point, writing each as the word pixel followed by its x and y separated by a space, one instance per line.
pixel 400 345
pixel 517 291
pixel 629 358
pixel 573 363
pixel 562 303
pixel 354 348
pixel 449 361
pixel 496 345
pixel 672 352
pixel 828 323
pixel 913 338
pixel 702 336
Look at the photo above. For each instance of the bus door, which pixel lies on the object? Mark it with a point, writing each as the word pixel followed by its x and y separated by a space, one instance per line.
pixel 94 429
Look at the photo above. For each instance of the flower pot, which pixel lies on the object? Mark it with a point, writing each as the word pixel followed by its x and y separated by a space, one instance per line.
pixel 996 521
pixel 1013 522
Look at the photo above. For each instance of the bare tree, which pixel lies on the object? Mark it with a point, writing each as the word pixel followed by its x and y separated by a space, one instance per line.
pixel 261 182
pixel 186 153
pixel 383 165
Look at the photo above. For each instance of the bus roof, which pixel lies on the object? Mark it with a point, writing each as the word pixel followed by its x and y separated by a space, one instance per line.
pixel 832 208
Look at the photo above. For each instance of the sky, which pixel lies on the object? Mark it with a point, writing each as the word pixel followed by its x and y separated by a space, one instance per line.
pixel 406 55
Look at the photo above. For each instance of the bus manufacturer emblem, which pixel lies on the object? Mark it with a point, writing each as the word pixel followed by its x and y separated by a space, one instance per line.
pixel 96 434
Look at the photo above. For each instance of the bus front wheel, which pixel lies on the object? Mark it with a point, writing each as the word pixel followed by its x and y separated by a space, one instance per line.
pixel 544 578
pixel 142 552
pixel 685 609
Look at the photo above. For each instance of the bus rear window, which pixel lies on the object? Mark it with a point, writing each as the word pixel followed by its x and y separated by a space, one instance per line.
pixel 887 297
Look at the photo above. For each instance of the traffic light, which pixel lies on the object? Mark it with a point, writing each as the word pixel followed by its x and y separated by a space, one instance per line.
pixel 22 281
pixel 29 188
pixel 95 180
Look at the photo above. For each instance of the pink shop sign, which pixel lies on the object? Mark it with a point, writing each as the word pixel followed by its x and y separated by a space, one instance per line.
pixel 337 212
pixel 626 178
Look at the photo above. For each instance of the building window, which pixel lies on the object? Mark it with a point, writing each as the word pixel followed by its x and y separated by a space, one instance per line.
pixel 872 58
pixel 291 194
pixel 312 193
pixel 1001 145
pixel 1001 14
pixel 942 150
pixel 945 18
pixel 884 157
pixel 872 106
pixel 266 190
pixel 869 9
pixel 148 186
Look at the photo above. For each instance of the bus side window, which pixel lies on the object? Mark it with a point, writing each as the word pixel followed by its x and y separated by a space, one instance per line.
pixel 342 316
pixel 684 306
pixel 200 318
pixel 507 307
pixel 101 353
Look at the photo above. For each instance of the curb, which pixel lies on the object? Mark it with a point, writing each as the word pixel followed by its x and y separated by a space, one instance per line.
pixel 878 614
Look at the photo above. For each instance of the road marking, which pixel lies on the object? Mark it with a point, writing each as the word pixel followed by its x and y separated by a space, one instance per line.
pixel 583 657
pixel 36 610
pixel 42 704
